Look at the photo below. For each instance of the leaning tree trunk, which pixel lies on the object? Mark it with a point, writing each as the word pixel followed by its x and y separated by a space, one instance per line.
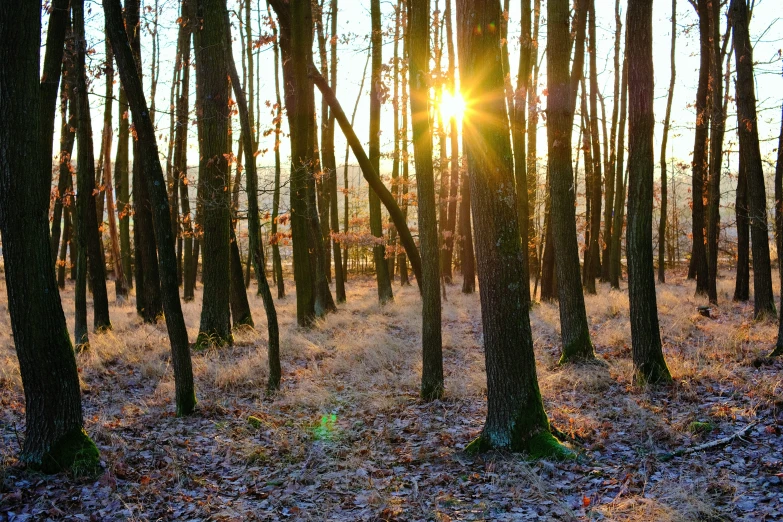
pixel 573 318
pixel 153 179
pixel 763 298
pixel 516 419
pixel 418 66
pixel 253 220
pixel 648 361
pixel 664 140
pixel 212 80
pixel 54 437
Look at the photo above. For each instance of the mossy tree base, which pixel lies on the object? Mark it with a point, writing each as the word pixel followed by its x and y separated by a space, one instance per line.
pixel 542 445
pixel 577 350
pixel 75 452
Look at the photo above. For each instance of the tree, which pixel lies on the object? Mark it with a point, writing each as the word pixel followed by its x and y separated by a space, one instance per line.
pixel 573 318
pixel 148 294
pixel 615 270
pixel 90 260
pixel 454 178
pixel 700 163
pixel 763 299
pixel 779 225
pixel 516 419
pixel 594 257
pixel 742 281
pixel 611 163
pixel 649 365
pixel 277 262
pixel 212 81
pixel 383 280
pixel 55 438
pixel 254 226
pixel 152 176
pixel 718 127
pixel 664 141
pixel 418 69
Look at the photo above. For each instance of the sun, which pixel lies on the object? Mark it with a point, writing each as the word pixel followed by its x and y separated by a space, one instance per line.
pixel 452 105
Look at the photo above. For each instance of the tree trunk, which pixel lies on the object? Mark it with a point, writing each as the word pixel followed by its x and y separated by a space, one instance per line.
pixel 764 302
pixel 664 141
pixel 385 293
pixel 700 160
pixel 573 318
pixel 153 179
pixel 648 361
pixel 615 270
pixel 418 63
pixel 401 262
pixel 67 137
pixel 516 419
pixel 518 128
pixel 212 80
pixel 88 235
pixel 534 241
pixel 595 204
pixel 716 154
pixel 277 262
pixel 611 162
pixel 742 282
pixel 122 185
pixel 254 225
pixel 54 437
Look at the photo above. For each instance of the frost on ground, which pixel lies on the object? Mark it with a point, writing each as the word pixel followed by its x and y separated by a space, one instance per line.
pixel 348 439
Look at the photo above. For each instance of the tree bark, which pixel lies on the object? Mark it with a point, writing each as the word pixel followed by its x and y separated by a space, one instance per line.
pixel 87 233
pixel 648 361
pixel 153 179
pixel 594 269
pixel 516 419
pixel 615 270
pixel 429 276
pixel 212 80
pixel 573 318
pixel 742 281
pixel 54 437
pixel 664 142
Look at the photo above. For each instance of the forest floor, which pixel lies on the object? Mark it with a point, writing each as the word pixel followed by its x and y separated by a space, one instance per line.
pixel 347 437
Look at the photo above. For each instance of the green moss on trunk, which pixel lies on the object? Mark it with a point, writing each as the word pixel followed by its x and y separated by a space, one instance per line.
pixel 75 452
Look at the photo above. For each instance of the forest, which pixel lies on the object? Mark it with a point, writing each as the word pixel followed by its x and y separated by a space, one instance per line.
pixel 403 260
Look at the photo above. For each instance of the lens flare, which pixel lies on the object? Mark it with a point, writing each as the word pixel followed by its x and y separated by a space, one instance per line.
pixel 452 105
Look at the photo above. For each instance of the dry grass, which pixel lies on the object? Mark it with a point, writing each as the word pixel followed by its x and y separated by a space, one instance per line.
pixel 362 364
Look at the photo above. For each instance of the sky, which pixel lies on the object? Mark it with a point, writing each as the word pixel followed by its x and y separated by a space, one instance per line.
pixel 354 27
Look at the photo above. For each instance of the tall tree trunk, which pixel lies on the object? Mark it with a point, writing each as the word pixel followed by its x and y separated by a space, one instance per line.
pixel 212 79
pixel 277 262
pixel 254 225
pixel 54 437
pixel 595 204
pixel 534 264
pixel 89 241
pixel 716 153
pixel 516 419
pixel 67 137
pixel 401 262
pixel 418 65
pixel 648 361
pixel 573 318
pixel 385 293
pixel 763 299
pixel 700 160
pixel 59 22
pixel 611 162
pixel 153 179
pixel 180 163
pixel 339 273
pixel 742 282
pixel 664 142
pixel 615 270
pixel 328 163
pixel 122 185
pixel 518 128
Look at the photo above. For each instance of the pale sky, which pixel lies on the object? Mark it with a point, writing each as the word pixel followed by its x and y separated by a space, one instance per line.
pixel 354 23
